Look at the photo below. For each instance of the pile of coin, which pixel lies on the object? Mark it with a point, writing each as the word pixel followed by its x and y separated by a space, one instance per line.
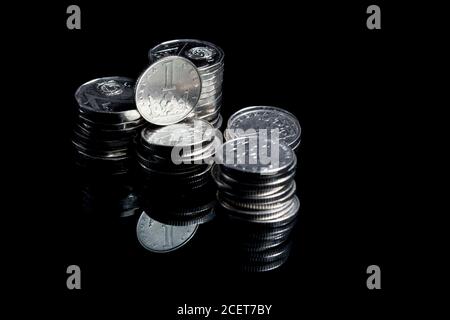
pixel 265 120
pixel 180 154
pixel 107 123
pixel 209 62
pixel 257 192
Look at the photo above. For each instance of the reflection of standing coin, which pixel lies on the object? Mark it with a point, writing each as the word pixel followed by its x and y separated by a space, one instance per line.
pixel 168 90
pixel 251 120
pixel 158 237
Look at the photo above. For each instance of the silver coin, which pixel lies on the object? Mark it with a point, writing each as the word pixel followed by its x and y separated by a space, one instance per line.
pixel 214 81
pixel 108 96
pixel 211 99
pixel 168 90
pixel 205 55
pixel 187 133
pixel 207 113
pixel 255 156
pixel 217 123
pixel 248 120
pixel 159 237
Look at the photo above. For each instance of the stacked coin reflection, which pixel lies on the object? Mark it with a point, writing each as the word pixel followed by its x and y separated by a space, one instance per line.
pixel 106 125
pixel 255 178
pixel 265 120
pixel 114 196
pixel 209 60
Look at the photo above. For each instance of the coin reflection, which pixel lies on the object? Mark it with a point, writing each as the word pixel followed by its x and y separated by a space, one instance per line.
pixel 160 237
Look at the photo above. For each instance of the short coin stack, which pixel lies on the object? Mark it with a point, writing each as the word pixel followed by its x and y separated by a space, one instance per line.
pixel 209 61
pixel 265 120
pixel 106 125
pixel 258 197
pixel 180 155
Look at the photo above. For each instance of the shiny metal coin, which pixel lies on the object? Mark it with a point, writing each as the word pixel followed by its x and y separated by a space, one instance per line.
pixel 109 98
pixel 285 193
pixel 112 126
pixel 188 133
pixel 256 156
pixel 168 90
pixel 217 123
pixel 161 238
pixel 249 121
pixel 205 55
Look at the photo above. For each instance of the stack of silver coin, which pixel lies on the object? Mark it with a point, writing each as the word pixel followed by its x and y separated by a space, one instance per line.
pixel 180 155
pixel 209 61
pixel 265 120
pixel 107 123
pixel 259 198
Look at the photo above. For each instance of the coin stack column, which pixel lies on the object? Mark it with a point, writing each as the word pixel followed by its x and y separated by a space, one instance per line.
pixel 107 123
pixel 176 160
pixel 258 200
pixel 209 61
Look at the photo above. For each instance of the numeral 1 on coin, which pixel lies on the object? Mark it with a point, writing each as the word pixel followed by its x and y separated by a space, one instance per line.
pixel 168 83
pixel 168 236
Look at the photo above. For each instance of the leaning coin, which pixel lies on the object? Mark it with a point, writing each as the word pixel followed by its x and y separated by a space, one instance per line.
pixel 168 90
pixel 161 238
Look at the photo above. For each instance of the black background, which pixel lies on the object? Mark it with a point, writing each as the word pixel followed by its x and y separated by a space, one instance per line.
pixel 344 83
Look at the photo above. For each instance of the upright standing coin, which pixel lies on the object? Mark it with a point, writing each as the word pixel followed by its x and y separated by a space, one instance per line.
pixel 159 237
pixel 252 120
pixel 168 90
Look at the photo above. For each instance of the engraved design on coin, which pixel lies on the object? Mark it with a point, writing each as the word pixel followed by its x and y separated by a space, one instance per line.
pixel 250 120
pixel 168 90
pixel 110 88
pixel 201 53
pixel 191 48
pixel 249 154
pixel 161 238
pixel 110 94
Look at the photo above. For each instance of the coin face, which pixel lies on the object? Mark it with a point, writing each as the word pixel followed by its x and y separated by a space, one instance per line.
pixel 159 237
pixel 168 90
pixel 107 95
pixel 203 54
pixel 186 133
pixel 249 120
pixel 252 155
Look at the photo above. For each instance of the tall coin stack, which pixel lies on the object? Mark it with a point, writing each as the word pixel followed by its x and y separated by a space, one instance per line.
pixel 107 123
pixel 209 61
pixel 258 198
